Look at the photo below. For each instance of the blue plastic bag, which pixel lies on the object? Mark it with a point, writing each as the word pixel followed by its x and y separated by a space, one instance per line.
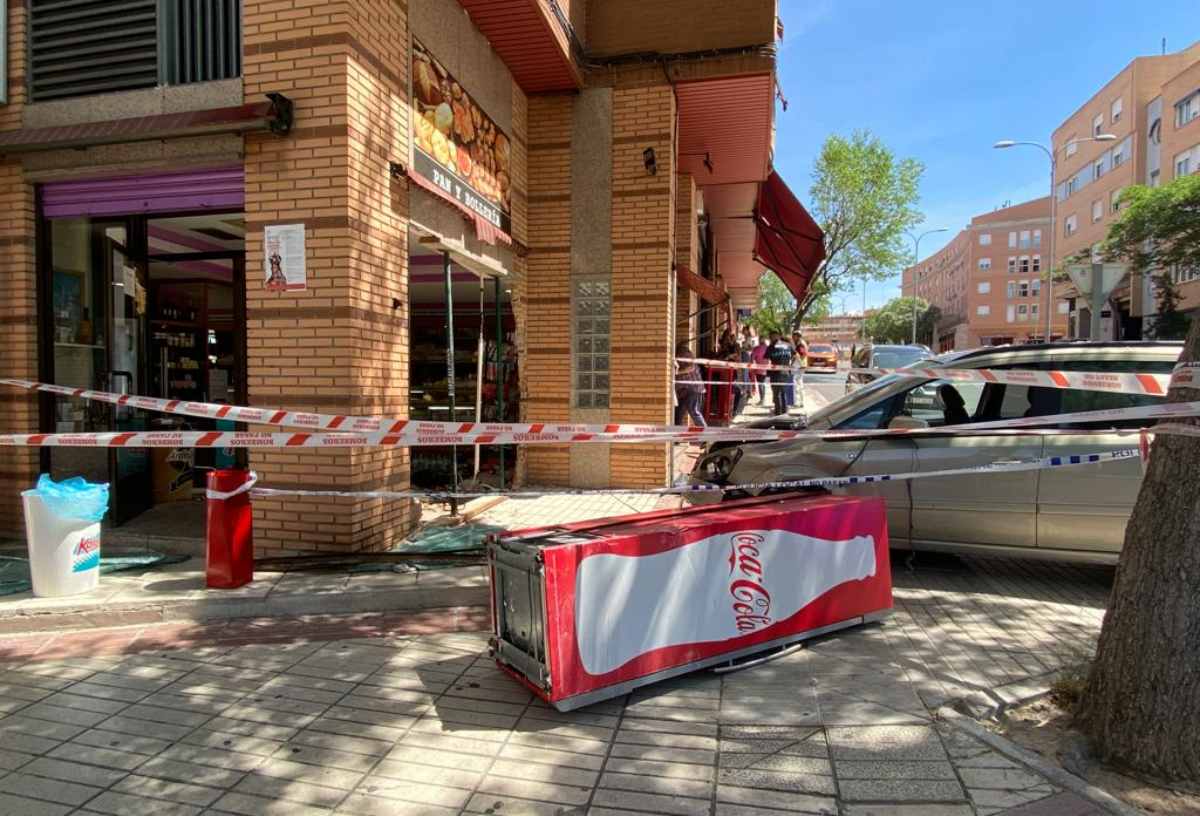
pixel 75 498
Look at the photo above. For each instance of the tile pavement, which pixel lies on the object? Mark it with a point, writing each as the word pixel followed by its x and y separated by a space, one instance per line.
pixel 393 720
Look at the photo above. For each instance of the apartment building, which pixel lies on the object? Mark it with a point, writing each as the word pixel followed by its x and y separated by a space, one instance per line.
pixel 365 208
pixel 1134 130
pixel 988 281
pixel 1175 142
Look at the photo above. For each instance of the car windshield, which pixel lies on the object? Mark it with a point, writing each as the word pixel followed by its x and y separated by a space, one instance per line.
pixel 820 349
pixel 899 357
pixel 849 405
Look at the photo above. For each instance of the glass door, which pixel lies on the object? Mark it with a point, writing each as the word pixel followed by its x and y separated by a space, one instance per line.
pixel 131 473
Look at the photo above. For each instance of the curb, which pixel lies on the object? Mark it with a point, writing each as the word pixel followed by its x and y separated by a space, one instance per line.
pixel 992 704
pixel 1058 776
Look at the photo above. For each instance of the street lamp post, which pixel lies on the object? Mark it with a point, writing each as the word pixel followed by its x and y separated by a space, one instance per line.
pixel 1052 155
pixel 916 261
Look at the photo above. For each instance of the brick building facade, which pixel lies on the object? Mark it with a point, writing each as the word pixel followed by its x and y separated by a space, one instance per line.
pixel 988 281
pixel 530 152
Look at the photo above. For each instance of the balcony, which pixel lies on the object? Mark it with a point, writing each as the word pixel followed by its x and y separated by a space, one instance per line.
pixel 83 47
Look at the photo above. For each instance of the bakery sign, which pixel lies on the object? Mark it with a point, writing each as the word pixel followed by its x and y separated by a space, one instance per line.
pixel 456 148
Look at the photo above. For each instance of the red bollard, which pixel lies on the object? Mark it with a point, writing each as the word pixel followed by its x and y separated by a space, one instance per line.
pixel 230 557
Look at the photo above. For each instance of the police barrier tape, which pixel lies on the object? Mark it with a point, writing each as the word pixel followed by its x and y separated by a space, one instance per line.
pixel 240 439
pixel 1186 374
pixel 1044 463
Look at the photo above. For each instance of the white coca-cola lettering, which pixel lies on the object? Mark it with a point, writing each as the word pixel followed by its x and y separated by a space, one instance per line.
pixel 751 600
pixel 718 588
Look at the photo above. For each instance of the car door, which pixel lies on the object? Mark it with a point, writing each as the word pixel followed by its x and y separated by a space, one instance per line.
pixel 877 457
pixel 994 509
pixel 1087 508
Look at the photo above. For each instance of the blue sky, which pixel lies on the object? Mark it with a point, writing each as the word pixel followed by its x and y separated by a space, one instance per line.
pixel 942 80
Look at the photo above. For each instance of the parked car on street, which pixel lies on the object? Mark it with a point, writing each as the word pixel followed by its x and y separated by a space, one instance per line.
pixel 882 356
pixel 822 357
pixel 1076 513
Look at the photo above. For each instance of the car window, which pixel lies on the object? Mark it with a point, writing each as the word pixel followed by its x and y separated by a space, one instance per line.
pixel 1020 401
pixel 862 358
pixel 877 416
pixel 898 358
pixel 941 403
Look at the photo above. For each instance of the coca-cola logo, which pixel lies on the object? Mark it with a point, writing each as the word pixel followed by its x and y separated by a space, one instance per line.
pixel 751 602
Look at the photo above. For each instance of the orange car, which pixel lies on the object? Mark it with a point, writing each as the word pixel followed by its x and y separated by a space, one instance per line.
pixel 822 355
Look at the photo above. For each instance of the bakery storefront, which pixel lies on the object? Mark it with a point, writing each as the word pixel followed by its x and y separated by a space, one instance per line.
pixel 141 280
pixel 463 364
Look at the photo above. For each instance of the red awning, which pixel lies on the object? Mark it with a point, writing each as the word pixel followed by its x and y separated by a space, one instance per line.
pixel 788 240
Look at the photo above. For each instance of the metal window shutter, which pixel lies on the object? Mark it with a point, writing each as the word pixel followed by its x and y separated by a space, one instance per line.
pixel 80 47
pixel 202 40
pixel 221 189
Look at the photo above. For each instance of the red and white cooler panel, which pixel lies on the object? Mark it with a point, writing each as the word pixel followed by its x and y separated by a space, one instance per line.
pixel 589 611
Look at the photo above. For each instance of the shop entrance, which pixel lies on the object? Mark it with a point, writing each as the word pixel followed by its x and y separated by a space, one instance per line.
pixel 475 381
pixel 140 304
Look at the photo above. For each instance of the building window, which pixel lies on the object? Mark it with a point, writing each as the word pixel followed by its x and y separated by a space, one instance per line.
pixel 1012 240
pixel 1187 162
pixel 985 264
pixel 1035 288
pixel 1115 112
pixel 1037 238
pixel 593 308
pixel 91 48
pixel 1033 310
pixel 1012 289
pixel 985 239
pixel 1071 225
pixel 1181 275
pixel 1072 146
pixel 1023 289
pixel 1187 109
pixel 1010 313
pixel 1022 312
pixel 1115 200
pixel 1024 264
pixel 1064 307
pixel 1012 266
pixel 1118 154
pixel 985 287
pixel 1099 168
pixel 1025 239
pixel 1155 178
pixel 1037 263
pixel 983 311
pixel 1098 124
pixel 1097 210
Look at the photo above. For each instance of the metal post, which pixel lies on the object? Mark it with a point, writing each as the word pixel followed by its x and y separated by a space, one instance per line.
pixel 448 274
pixel 501 372
pixel 1097 300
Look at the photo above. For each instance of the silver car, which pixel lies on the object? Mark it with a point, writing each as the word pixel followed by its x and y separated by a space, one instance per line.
pixel 1074 514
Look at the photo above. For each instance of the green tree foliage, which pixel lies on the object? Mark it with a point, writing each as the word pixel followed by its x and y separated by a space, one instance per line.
pixel 776 306
pixel 893 322
pixel 865 199
pixel 1158 231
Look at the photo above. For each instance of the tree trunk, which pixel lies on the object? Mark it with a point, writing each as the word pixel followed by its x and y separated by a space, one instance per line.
pixel 1141 707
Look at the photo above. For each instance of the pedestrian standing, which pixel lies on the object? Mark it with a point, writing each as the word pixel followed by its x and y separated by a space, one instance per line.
pixel 799 364
pixel 689 388
pixel 758 355
pixel 780 357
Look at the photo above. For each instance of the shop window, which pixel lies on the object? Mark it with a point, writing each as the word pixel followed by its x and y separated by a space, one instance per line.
pixel 593 332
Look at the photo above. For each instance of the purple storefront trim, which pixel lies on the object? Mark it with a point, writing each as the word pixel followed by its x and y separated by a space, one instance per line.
pixel 214 190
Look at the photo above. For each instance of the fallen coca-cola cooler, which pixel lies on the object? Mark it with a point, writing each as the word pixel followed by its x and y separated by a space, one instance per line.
pixel 584 612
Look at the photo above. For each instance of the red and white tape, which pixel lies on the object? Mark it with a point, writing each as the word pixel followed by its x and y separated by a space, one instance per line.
pixel 238 439
pixel 1155 385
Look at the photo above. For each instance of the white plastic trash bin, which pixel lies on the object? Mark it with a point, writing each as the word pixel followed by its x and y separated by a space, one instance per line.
pixel 64 553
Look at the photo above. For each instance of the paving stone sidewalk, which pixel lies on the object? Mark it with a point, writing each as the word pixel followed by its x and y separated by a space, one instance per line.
pixel 425 723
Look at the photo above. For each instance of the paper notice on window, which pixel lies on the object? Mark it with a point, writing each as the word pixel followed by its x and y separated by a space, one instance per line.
pixel 284 262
